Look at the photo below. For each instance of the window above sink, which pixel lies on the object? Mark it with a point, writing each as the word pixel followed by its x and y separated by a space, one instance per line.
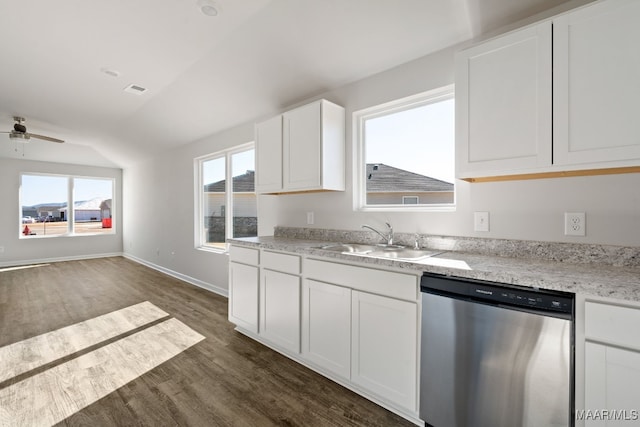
pixel 405 158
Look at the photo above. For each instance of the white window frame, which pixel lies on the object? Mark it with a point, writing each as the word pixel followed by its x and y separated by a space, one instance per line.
pixel 70 203
pixel 359 162
pixel 228 196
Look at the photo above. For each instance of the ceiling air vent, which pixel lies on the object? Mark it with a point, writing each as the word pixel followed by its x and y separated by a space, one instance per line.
pixel 135 89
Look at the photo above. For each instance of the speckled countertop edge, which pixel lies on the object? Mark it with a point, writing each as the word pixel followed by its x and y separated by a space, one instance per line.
pixel 610 281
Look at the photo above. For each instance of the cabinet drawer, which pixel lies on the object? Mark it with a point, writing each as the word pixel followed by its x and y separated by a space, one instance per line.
pixel 244 255
pixel 397 285
pixel 281 262
pixel 612 324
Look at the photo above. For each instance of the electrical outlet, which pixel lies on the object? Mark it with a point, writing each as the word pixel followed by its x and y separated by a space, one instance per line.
pixel 481 221
pixel 310 218
pixel 575 224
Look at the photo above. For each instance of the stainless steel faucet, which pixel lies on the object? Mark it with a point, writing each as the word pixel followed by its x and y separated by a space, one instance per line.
pixel 388 237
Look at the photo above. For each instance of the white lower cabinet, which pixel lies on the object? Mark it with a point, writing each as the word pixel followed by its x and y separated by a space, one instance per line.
pixel 280 309
pixel 612 365
pixel 355 324
pixel 326 326
pixel 243 287
pixel 385 347
pixel 280 284
pixel 612 383
pixel 362 324
pixel 243 295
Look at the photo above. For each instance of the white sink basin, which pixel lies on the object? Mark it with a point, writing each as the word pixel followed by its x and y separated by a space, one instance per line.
pixel 381 251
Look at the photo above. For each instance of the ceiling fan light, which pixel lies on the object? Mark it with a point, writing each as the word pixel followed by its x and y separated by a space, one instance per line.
pixel 19 135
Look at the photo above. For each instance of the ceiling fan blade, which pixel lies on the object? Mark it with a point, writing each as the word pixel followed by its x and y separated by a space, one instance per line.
pixel 46 138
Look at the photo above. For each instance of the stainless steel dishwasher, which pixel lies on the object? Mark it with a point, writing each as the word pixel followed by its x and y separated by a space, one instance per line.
pixel 495 355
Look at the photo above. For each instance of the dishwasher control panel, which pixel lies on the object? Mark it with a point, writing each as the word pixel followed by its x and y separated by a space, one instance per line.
pixel 498 293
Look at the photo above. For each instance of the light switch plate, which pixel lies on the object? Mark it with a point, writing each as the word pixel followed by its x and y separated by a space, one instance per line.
pixel 310 218
pixel 481 221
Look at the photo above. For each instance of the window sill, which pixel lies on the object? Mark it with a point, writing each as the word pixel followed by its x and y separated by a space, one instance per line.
pixel 384 208
pixel 51 236
pixel 215 250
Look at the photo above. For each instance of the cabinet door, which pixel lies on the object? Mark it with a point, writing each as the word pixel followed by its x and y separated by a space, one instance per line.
pixel 301 146
pixel 280 309
pixel 385 347
pixel 596 85
pixel 326 326
pixel 503 103
pixel 269 155
pixel 612 382
pixel 243 296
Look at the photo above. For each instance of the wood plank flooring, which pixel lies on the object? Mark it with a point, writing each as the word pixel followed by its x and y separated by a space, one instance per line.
pixel 24 356
pixel 224 380
pixel 56 393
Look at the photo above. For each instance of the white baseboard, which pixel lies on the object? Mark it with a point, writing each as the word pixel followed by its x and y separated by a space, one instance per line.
pixel 19 263
pixel 196 282
pixel 191 280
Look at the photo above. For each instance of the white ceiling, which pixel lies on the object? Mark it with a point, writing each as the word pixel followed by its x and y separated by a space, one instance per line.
pixel 203 74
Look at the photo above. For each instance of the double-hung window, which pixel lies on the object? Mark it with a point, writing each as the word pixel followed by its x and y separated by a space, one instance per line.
pixel 405 154
pixel 226 198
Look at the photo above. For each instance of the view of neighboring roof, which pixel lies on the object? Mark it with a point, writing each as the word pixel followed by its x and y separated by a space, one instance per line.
pixel 383 178
pixel 244 183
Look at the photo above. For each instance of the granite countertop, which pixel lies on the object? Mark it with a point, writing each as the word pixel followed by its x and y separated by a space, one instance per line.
pixel 620 282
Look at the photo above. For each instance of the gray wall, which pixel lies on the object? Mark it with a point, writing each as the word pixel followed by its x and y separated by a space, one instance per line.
pixel 22 251
pixel 160 216
pixel 530 210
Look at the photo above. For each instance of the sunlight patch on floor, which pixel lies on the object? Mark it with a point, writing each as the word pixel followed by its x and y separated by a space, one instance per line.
pixel 22 267
pixel 26 355
pixel 49 397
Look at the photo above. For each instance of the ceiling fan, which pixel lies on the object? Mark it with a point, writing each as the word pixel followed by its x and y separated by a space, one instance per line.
pixel 19 132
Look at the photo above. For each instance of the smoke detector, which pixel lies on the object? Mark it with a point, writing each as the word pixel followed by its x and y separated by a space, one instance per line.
pixel 208 7
pixel 110 72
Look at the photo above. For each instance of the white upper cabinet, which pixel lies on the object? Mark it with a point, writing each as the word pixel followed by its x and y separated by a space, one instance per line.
pixel 596 83
pixel 269 155
pixel 302 150
pixel 503 103
pixel 555 96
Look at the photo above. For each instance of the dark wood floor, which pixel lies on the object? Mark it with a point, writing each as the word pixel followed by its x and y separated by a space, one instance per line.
pixel 227 379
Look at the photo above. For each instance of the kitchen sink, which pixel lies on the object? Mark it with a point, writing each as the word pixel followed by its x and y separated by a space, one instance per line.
pixel 405 254
pixel 349 248
pixel 381 251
